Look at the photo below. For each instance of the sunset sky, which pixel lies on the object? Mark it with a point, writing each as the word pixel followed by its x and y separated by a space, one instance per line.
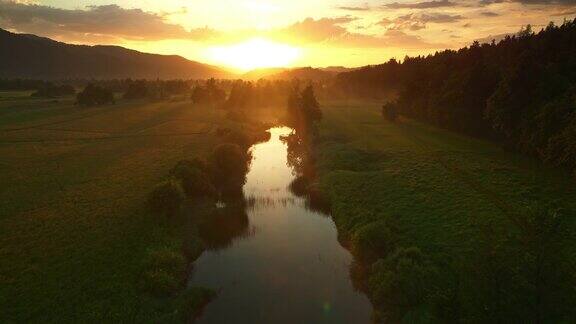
pixel 246 34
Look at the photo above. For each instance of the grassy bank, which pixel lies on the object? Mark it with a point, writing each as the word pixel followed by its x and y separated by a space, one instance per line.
pixel 75 232
pixel 442 220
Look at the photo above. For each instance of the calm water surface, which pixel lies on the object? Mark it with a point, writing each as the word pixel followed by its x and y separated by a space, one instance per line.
pixel 282 262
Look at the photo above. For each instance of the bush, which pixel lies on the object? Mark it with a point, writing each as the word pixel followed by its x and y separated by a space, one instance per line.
pixel 136 90
pixel 237 137
pixel 403 282
pixel 374 240
pixel 195 163
pixel 94 95
pixel 167 259
pixel 160 283
pixel 195 182
pixel 229 165
pixel 166 198
pixel 191 302
pixel 390 111
pixel 165 271
pixel 194 179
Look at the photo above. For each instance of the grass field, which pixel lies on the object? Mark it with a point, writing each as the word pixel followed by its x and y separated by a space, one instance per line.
pixel 75 232
pixel 454 197
pixel 74 229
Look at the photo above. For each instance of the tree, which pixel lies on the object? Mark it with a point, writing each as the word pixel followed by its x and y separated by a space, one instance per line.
pixel 309 105
pixel 229 165
pixel 390 111
pixel 166 198
pixel 94 95
pixel 136 90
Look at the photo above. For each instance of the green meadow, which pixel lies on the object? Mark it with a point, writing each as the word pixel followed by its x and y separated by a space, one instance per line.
pixel 76 236
pixel 459 200
pixel 74 227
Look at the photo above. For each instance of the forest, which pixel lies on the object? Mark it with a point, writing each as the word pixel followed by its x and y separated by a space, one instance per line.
pixel 520 91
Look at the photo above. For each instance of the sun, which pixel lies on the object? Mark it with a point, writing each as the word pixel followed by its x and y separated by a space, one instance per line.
pixel 255 53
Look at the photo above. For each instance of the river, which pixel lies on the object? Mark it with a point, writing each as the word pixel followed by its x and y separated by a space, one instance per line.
pixel 280 262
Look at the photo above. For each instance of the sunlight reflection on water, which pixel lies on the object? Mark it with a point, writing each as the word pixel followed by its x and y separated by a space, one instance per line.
pixel 277 261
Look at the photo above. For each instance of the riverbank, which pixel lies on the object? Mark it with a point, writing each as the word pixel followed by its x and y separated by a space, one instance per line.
pixel 276 260
pixel 424 205
pixel 75 231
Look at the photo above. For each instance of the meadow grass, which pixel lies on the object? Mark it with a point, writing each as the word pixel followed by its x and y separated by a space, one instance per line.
pixel 451 196
pixel 74 227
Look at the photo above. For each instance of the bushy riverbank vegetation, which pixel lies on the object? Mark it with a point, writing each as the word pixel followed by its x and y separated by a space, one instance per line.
pixel 449 228
pixel 80 242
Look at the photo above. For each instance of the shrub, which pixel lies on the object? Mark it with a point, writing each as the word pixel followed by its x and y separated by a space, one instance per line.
pixel 191 302
pixel 165 269
pixel 390 111
pixel 237 137
pixel 229 165
pixel 193 178
pixel 196 183
pixel 94 95
pixel 136 90
pixel 374 240
pixel 160 282
pixel 403 282
pixel 166 198
pixel 167 259
pixel 195 163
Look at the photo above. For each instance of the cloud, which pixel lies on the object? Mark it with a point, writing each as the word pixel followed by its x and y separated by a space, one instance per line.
pixel 565 12
pixel 97 22
pixel 530 2
pixel 489 2
pixel 418 21
pixel 331 32
pixel 312 30
pixel 489 14
pixel 548 2
pixel 421 5
pixel 350 8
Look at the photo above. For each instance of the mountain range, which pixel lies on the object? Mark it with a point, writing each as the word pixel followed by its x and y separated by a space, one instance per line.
pixel 30 56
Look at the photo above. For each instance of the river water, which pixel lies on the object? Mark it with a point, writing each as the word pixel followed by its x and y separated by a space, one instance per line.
pixel 277 261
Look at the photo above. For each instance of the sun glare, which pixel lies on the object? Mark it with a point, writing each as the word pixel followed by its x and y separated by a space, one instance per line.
pixel 255 53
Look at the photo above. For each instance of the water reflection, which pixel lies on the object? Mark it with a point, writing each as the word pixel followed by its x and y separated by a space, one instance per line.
pixel 226 224
pixel 276 259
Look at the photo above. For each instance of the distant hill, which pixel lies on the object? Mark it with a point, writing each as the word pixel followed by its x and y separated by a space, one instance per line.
pixel 304 73
pixel 30 56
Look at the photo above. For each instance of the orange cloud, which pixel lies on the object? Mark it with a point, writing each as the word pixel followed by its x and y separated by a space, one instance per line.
pixel 95 23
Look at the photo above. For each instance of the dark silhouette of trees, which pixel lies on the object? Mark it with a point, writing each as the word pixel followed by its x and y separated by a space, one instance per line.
pixel 136 90
pixel 94 95
pixel 390 111
pixel 519 91
pixel 309 105
pixel 228 167
pixel 209 93
pixel 303 108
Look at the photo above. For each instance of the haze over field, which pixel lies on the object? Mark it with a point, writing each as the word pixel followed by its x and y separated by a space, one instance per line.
pixel 250 34
pixel 288 161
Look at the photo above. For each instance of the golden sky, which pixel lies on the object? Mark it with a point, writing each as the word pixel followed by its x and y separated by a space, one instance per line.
pixel 253 33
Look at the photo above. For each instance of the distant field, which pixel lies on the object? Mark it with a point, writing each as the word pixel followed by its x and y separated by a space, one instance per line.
pixel 73 225
pixel 452 196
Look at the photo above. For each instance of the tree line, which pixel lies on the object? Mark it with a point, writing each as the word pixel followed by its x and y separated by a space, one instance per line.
pixel 520 91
